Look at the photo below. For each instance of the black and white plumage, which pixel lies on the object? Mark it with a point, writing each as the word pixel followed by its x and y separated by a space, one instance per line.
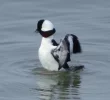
pixel 54 56
pixel 73 45
pixel 70 44
pixel 60 53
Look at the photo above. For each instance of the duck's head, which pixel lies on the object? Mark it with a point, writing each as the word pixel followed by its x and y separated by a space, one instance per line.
pixel 45 28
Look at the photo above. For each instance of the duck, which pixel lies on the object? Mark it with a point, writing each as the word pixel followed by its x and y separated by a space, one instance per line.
pixel 55 56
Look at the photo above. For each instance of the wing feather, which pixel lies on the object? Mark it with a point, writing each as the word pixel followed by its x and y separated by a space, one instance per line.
pixel 60 53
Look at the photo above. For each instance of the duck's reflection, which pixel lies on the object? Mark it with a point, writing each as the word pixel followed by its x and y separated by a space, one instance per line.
pixel 58 85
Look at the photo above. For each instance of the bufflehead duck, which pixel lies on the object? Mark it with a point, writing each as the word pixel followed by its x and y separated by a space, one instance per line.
pixel 54 56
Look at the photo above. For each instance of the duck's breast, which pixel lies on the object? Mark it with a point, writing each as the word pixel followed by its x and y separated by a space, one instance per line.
pixel 46 58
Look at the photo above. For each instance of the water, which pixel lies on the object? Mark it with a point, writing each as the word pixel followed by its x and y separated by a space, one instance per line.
pixel 21 74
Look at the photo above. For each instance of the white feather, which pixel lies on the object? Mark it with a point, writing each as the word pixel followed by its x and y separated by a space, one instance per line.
pixel 70 39
pixel 45 56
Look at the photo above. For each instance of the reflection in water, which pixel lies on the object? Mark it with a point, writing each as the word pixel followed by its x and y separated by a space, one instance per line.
pixel 58 85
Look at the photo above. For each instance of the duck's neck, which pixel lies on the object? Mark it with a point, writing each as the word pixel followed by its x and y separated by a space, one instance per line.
pixel 46 41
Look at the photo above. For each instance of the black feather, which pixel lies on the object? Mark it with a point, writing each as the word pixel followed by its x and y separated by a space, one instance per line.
pixel 66 39
pixel 76 45
pixel 54 43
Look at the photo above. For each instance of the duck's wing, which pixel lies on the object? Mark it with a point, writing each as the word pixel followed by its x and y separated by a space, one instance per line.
pixel 54 43
pixel 69 45
pixel 60 53
pixel 73 45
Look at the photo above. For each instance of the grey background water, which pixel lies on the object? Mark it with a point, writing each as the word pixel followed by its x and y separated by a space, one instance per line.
pixel 21 74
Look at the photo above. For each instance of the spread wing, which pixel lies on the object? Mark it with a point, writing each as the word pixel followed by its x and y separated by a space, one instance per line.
pixel 69 45
pixel 73 44
pixel 60 53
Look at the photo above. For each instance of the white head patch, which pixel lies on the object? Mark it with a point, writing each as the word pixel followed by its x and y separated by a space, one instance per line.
pixel 47 26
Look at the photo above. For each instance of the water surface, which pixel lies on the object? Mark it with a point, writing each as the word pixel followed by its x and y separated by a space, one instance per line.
pixel 21 74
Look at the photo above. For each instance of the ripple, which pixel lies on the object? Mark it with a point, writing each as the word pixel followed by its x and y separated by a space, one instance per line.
pixel 21 74
pixel 57 85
